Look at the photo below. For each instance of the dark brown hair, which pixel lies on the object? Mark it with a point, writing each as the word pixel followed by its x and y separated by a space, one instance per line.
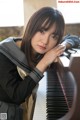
pixel 46 15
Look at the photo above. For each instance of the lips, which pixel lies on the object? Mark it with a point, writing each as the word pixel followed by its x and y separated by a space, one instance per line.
pixel 42 47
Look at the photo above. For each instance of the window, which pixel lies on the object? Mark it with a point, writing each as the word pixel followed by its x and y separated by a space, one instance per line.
pixel 11 13
pixel 70 10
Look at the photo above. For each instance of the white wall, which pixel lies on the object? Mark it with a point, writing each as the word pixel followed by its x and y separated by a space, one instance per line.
pixel 30 6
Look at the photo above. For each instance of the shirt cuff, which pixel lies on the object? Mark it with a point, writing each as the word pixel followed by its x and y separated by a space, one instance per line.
pixel 36 75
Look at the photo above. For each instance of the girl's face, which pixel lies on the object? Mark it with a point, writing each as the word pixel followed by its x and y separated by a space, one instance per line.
pixel 43 41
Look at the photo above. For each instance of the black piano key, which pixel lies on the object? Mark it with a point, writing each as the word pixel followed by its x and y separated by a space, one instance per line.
pixel 56 103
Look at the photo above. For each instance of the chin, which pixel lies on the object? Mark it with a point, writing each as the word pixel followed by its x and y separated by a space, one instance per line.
pixel 41 52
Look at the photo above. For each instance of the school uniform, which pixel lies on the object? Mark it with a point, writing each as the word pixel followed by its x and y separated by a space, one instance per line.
pixel 17 80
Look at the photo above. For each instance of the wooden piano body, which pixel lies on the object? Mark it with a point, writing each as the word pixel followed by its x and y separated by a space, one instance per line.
pixel 62 94
pixel 70 72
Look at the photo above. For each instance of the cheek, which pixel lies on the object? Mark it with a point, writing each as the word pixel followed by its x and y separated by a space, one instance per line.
pixel 52 44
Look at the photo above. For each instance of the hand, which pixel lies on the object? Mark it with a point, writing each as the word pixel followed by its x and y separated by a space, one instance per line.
pixel 56 60
pixel 53 54
pixel 50 57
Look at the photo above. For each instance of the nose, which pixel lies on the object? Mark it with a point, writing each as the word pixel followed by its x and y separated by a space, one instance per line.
pixel 45 39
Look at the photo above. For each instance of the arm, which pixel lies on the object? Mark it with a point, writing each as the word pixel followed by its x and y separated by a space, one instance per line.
pixel 50 57
pixel 10 81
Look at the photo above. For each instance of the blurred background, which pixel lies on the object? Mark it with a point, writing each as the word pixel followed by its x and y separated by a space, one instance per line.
pixel 14 15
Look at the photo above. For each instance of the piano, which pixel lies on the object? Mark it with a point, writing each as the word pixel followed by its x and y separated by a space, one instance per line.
pixel 61 96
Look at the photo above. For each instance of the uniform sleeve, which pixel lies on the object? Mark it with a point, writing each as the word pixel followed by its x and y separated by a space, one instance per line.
pixel 73 40
pixel 10 81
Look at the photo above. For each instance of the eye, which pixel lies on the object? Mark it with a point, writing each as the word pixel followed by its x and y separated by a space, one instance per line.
pixel 55 36
pixel 42 31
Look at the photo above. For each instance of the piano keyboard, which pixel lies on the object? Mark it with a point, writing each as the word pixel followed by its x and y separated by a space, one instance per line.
pixel 56 103
pixel 50 101
pixel 40 106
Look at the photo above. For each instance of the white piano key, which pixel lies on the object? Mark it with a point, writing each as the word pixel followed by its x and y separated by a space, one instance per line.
pixel 40 106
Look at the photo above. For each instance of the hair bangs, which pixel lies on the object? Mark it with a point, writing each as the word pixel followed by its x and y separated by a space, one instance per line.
pixel 47 24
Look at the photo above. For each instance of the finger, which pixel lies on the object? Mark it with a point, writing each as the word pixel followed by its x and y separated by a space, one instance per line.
pixel 59 46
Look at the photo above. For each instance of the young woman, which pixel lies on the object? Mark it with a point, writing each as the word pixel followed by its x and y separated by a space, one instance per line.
pixel 23 61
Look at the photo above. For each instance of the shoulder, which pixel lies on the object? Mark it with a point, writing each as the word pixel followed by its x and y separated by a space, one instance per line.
pixel 4 61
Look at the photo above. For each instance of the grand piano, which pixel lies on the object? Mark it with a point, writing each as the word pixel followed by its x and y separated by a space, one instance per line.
pixel 61 96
